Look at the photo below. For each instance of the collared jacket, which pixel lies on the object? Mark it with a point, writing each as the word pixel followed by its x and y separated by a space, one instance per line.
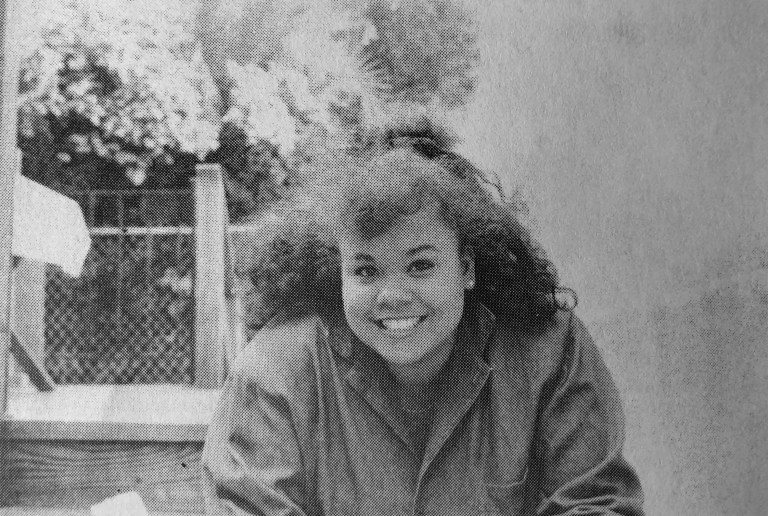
pixel 526 423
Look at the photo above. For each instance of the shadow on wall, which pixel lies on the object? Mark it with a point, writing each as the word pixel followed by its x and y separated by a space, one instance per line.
pixel 639 130
pixel 695 382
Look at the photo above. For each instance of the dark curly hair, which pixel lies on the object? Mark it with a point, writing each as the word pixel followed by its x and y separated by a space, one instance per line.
pixel 299 271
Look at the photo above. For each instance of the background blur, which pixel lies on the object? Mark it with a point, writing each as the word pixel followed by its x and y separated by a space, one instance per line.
pixel 636 131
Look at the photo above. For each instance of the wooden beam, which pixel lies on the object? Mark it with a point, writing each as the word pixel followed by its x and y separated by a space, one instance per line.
pixel 28 312
pixel 102 431
pixel 78 474
pixel 32 366
pixel 235 331
pixel 210 277
pixel 80 444
pixel 9 164
pixel 28 321
pixel 44 511
pixel 146 405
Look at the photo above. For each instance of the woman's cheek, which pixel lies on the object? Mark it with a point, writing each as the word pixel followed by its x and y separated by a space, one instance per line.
pixel 447 292
pixel 356 301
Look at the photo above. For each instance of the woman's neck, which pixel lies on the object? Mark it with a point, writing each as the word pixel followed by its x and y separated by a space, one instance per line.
pixel 416 398
pixel 419 375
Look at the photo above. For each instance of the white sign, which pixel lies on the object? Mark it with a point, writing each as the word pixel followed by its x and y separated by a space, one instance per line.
pixel 48 227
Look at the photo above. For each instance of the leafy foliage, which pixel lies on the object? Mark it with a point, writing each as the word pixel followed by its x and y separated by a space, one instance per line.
pixel 429 48
pixel 128 87
pixel 332 74
pixel 124 80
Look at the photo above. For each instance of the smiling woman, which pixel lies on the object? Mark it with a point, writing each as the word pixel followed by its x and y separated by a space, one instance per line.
pixel 420 360
pixel 403 293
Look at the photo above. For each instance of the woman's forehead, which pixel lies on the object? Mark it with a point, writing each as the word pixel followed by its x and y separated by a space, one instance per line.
pixel 424 228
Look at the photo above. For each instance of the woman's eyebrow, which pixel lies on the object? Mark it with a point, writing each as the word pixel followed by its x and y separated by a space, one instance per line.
pixel 417 250
pixel 364 257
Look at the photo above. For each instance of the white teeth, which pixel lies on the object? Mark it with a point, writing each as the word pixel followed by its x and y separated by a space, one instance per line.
pixel 400 324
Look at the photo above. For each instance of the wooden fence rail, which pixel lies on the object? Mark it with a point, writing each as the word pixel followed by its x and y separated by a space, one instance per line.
pixel 218 326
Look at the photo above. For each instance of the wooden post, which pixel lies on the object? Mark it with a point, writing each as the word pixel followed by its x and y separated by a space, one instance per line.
pixel 9 164
pixel 210 304
pixel 29 306
pixel 235 340
pixel 28 324
pixel 28 311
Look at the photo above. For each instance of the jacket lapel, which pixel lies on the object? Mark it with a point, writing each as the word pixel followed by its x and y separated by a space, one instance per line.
pixel 371 379
pixel 465 378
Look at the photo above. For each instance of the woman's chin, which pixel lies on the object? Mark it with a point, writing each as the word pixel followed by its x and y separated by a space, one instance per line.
pixel 402 360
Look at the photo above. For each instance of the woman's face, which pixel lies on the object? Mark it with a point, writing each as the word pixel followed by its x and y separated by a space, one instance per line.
pixel 403 292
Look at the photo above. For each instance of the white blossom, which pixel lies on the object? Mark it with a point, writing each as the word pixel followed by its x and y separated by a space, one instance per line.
pixel 163 80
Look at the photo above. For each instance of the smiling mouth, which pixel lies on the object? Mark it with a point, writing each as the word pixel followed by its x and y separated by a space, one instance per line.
pixel 399 324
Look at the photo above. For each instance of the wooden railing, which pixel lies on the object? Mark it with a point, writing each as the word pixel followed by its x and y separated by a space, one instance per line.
pixel 64 450
pixel 211 319
pixel 218 332
pixel 77 445
pixel 9 156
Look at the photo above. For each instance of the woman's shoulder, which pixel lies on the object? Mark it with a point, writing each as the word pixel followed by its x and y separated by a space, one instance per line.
pixel 282 350
pixel 543 351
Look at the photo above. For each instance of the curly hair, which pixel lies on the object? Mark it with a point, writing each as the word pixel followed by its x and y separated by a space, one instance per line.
pixel 299 271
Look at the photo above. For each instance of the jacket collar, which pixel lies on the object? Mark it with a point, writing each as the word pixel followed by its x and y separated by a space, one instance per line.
pixel 463 378
pixel 476 329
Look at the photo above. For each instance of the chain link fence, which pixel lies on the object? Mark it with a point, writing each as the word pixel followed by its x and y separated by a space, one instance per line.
pixel 129 318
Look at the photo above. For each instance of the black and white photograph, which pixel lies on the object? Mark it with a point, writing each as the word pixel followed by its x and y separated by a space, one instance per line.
pixel 383 257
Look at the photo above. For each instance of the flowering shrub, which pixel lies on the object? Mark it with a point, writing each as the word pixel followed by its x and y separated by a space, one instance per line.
pixel 258 107
pixel 124 79
pixel 138 82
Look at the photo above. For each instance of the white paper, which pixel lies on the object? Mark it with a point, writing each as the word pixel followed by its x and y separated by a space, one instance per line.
pixel 125 504
pixel 48 227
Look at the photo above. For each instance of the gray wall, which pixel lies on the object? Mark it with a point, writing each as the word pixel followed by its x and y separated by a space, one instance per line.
pixel 637 131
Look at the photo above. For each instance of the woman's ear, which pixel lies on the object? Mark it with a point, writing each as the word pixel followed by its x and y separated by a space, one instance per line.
pixel 468 263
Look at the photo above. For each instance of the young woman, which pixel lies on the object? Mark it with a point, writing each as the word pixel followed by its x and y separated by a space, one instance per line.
pixel 421 360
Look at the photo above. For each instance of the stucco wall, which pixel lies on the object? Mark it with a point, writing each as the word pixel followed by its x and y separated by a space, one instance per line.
pixel 637 131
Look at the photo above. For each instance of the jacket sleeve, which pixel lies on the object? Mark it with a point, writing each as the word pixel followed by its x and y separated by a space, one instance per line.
pixel 253 458
pixel 582 469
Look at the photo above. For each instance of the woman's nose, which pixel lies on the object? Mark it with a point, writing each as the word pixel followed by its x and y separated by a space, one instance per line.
pixel 393 294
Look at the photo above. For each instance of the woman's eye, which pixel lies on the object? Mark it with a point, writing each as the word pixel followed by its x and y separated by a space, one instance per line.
pixel 420 266
pixel 365 271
